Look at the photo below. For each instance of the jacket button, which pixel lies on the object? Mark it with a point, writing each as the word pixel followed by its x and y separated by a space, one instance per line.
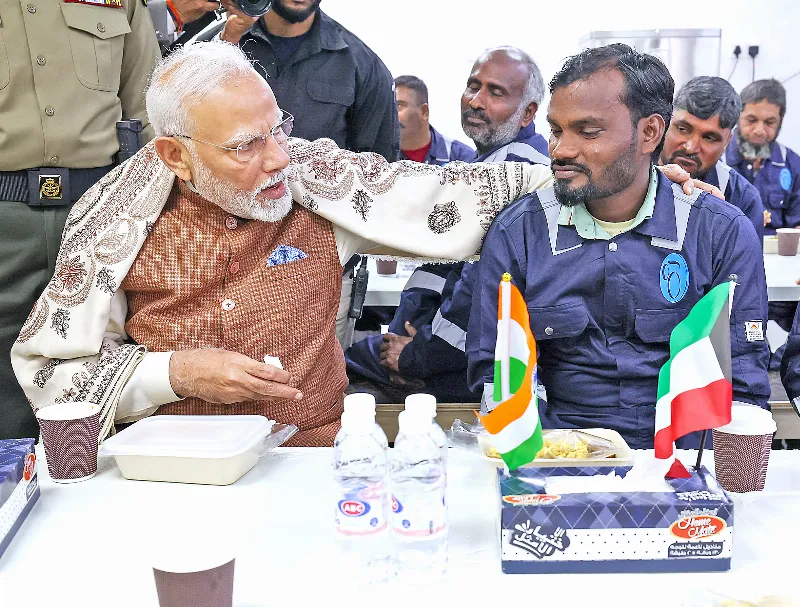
pixel 234 267
pixel 49 111
pixel 41 60
pixel 733 277
pixel 53 159
pixel 228 304
pixel 101 28
pixel 612 246
pixel 31 9
pixel 548 330
pixel 231 223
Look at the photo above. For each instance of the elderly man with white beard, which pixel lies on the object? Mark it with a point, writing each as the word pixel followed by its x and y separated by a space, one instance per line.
pixel 168 293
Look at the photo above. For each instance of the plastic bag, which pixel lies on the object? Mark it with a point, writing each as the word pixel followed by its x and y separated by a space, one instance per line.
pixel 558 444
pixel 279 434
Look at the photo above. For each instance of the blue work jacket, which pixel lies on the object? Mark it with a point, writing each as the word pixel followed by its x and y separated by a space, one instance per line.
pixel 444 150
pixel 740 193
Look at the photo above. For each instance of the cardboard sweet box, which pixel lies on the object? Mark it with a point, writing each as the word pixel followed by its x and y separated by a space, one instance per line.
pixel 690 529
pixel 19 486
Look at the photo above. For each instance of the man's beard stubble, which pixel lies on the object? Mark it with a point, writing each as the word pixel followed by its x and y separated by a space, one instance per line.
pixel 240 203
pixel 291 15
pixel 620 174
pixel 488 136
pixel 751 150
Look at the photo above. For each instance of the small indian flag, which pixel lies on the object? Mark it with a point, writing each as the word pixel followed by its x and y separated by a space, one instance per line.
pixel 694 386
pixel 514 422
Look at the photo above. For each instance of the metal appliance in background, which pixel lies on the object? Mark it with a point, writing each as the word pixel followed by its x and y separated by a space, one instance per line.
pixel 686 52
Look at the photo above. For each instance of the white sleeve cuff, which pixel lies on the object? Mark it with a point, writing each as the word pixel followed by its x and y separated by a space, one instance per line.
pixel 147 389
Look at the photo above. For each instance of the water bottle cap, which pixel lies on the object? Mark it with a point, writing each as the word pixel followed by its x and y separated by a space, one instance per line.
pixel 358 422
pixel 422 403
pixel 412 422
pixel 360 401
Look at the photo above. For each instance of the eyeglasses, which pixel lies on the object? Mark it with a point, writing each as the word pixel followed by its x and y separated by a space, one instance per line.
pixel 251 149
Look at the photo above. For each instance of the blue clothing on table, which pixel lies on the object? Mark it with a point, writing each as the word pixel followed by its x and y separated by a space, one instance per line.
pixel 437 355
pixel 602 310
pixel 740 193
pixel 528 146
pixel 778 183
pixel 444 150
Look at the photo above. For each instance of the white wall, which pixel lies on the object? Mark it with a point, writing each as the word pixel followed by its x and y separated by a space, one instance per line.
pixel 438 40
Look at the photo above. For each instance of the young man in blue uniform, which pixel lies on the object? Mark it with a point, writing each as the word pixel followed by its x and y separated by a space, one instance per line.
pixel 419 141
pixel 424 349
pixel 705 111
pixel 756 153
pixel 614 256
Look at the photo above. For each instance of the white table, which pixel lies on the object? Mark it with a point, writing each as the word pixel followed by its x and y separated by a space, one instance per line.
pixel 385 290
pixel 782 274
pixel 87 544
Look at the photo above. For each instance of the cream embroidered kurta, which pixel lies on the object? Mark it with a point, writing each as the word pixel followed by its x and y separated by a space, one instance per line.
pixel 74 345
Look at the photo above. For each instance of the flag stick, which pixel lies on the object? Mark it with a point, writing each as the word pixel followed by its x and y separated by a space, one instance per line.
pixel 700 451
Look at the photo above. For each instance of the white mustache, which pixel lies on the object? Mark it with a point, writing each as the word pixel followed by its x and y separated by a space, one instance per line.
pixel 272 181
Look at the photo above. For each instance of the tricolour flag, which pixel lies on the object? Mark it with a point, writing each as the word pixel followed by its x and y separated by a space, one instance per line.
pixel 514 422
pixel 694 386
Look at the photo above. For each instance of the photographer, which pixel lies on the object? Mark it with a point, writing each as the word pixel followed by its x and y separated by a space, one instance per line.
pixel 321 73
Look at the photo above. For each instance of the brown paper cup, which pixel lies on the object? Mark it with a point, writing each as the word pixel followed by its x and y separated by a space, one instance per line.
pixel 386 267
pixel 207 588
pixel 788 239
pixel 740 461
pixel 69 433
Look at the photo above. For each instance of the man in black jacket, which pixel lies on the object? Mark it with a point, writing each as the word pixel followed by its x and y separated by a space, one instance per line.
pixel 322 74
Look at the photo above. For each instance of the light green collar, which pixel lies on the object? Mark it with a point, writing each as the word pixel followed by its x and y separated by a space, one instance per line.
pixel 587 226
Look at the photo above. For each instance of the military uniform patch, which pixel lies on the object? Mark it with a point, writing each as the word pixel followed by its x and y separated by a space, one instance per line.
pixel 50 187
pixel 753 330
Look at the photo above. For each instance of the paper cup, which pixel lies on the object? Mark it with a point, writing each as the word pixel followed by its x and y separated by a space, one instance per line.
pixel 788 239
pixel 741 449
pixel 192 568
pixel 69 433
pixel 386 267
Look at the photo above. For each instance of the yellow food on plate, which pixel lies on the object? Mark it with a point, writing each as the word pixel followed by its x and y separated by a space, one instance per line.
pixel 554 449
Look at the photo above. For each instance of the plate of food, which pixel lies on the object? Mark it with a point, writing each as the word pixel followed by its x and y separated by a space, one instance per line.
pixel 569 448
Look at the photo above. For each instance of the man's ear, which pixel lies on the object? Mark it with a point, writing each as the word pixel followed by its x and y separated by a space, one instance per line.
pixel 653 128
pixel 425 111
pixel 529 114
pixel 173 153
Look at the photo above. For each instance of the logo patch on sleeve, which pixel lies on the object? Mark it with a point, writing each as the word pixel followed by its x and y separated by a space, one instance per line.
pixel 754 330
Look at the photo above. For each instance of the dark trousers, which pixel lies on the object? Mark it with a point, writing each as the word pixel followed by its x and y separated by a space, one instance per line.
pixel 29 242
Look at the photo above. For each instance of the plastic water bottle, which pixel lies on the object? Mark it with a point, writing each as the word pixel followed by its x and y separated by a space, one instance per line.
pixel 364 404
pixel 419 509
pixel 361 472
pixel 425 404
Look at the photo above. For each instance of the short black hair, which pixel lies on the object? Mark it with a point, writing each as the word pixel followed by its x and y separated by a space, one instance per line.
pixel 770 90
pixel 707 96
pixel 649 87
pixel 415 84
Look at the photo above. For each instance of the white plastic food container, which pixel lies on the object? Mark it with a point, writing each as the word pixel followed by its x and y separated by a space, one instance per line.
pixel 201 449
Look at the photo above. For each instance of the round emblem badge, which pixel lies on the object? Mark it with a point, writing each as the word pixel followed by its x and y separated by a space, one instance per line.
pixel 674 277
pixel 785 179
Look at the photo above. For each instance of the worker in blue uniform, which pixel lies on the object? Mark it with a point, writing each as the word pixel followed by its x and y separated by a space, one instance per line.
pixel 419 141
pixel 614 256
pixel 424 348
pixel 755 152
pixel 705 112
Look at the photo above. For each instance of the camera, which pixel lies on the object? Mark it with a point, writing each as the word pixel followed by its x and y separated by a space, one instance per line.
pixel 254 8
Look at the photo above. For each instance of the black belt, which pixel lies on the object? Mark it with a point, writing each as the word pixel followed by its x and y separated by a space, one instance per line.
pixel 49 186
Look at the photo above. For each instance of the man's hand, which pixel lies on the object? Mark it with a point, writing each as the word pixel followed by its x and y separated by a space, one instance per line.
pixel 220 376
pixel 237 25
pixel 767 217
pixel 191 10
pixel 393 345
pixel 677 174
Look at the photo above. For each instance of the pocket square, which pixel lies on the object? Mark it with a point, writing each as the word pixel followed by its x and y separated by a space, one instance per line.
pixel 284 254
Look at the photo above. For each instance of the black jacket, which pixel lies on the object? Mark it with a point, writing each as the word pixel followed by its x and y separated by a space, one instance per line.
pixel 334 85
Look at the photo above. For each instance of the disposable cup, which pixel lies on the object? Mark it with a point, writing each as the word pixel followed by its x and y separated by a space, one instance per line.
pixel 386 267
pixel 741 449
pixel 788 239
pixel 69 433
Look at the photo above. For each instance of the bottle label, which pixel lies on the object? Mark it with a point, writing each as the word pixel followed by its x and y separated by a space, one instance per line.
pixel 363 512
pixel 421 517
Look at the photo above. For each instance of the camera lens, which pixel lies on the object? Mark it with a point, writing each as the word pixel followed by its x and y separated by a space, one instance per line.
pixel 254 8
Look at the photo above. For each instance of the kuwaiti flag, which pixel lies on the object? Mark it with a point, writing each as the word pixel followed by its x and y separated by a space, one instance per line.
pixel 694 386
pixel 514 422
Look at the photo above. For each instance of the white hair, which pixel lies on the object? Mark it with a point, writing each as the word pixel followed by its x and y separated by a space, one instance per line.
pixel 187 76
pixel 534 87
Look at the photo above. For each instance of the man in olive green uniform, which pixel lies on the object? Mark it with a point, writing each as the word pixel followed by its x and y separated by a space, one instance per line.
pixel 69 70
